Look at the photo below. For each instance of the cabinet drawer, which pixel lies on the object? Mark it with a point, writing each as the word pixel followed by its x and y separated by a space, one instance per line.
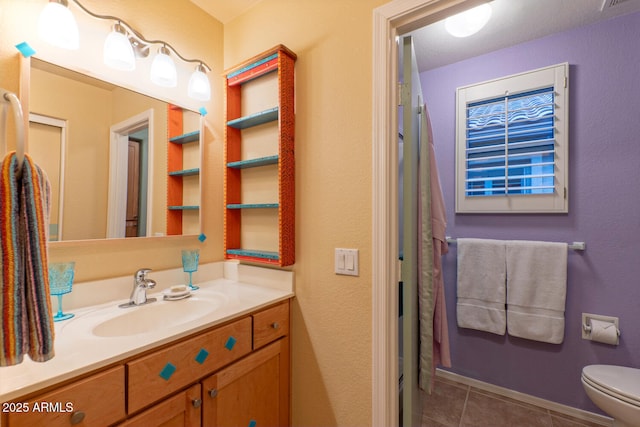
pixel 94 401
pixel 163 372
pixel 270 324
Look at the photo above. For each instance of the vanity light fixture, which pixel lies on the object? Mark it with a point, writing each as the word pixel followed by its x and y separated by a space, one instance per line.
pixel 122 46
pixel 118 50
pixel 57 26
pixel 163 69
pixel 199 87
pixel 468 22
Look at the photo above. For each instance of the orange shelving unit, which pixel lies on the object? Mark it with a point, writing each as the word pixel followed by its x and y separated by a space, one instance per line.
pixel 259 222
pixel 178 136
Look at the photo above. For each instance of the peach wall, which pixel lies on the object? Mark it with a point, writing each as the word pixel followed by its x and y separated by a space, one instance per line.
pixel 331 315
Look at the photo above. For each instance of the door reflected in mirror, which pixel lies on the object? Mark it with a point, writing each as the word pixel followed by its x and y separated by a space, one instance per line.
pixel 105 151
pixel 47 147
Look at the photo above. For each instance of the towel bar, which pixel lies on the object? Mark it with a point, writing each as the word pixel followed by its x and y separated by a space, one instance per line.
pixel 576 246
pixel 14 102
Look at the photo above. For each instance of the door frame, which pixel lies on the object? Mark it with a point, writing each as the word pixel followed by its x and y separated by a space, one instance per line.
pixel 118 165
pixel 134 186
pixel 389 21
pixel 62 125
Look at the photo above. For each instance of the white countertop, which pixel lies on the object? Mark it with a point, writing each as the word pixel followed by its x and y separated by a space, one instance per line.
pixel 240 290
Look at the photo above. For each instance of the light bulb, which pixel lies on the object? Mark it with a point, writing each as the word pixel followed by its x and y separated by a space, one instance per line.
pixel 118 52
pixel 199 87
pixel 468 22
pixel 163 70
pixel 57 26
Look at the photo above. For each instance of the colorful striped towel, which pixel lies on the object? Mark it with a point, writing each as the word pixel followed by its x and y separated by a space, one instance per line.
pixel 27 320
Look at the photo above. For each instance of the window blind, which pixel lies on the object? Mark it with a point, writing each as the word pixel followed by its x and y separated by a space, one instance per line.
pixel 510 143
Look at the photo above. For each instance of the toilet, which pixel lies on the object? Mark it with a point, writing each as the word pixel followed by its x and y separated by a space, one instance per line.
pixel 615 390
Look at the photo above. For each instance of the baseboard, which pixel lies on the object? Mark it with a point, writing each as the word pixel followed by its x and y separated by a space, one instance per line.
pixel 526 398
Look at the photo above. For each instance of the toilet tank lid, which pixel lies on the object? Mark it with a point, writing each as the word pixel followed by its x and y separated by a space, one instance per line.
pixel 620 379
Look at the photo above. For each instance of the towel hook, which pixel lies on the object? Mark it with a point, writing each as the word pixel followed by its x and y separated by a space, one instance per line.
pixel 12 99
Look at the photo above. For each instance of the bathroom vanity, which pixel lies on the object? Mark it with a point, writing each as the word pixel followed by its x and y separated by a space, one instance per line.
pixel 228 365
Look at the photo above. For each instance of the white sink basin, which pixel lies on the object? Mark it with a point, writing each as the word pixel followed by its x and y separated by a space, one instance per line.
pixel 155 316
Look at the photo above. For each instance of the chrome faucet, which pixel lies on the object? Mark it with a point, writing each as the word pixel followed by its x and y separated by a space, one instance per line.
pixel 140 285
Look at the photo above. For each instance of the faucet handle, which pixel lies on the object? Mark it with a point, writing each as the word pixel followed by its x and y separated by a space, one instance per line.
pixel 141 274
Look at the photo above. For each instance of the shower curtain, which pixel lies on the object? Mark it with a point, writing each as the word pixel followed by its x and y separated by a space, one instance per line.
pixel 432 244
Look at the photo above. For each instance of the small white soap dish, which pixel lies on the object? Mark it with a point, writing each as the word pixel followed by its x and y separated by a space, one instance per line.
pixel 176 298
pixel 176 293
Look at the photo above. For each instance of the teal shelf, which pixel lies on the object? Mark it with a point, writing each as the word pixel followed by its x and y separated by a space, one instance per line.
pixel 185 172
pixel 256 119
pixel 254 254
pixel 252 66
pixel 253 206
pixel 185 138
pixel 254 163
pixel 184 208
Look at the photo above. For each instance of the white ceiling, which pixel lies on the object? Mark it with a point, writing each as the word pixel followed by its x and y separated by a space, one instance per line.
pixel 513 22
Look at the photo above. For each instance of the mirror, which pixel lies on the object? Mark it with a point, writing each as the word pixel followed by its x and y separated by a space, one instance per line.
pixel 106 153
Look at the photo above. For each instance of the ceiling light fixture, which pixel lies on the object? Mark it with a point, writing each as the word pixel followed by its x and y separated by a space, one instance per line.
pixel 122 46
pixel 468 22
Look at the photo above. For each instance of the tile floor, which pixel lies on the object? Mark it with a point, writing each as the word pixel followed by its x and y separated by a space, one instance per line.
pixel 458 405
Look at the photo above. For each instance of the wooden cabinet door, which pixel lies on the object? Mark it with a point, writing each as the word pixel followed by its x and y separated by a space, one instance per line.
pixel 181 410
pixel 252 392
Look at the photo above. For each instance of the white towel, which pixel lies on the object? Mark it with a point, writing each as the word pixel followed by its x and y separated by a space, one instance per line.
pixel 536 290
pixel 481 285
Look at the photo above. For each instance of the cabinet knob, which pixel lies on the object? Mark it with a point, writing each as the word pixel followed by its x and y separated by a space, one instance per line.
pixel 77 417
pixel 213 392
pixel 275 325
pixel 196 403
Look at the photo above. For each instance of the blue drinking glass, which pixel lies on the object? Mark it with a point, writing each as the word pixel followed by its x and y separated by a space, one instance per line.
pixel 190 259
pixel 60 281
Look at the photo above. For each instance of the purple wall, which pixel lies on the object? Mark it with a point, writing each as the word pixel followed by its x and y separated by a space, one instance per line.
pixel 604 208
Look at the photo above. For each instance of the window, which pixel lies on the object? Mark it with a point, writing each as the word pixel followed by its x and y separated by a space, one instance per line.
pixel 512 143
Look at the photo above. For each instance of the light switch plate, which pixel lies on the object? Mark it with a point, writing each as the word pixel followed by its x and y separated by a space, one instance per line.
pixel 346 262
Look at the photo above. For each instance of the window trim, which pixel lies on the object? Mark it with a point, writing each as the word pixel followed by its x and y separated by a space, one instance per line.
pixel 558 202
